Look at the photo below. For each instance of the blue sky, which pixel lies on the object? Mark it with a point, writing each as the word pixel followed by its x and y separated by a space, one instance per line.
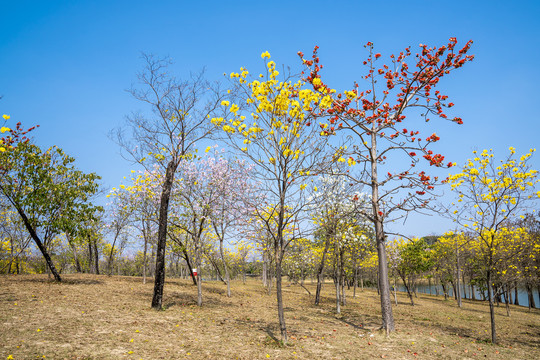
pixel 65 65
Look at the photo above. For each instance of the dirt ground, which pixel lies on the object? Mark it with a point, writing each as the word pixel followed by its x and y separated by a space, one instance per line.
pixel 102 317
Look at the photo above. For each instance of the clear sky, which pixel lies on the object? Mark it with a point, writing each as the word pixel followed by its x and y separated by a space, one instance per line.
pixel 65 65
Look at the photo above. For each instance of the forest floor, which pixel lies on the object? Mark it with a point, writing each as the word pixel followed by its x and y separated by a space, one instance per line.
pixel 102 317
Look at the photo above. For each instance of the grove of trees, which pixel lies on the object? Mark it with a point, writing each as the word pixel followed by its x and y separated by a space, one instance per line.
pixel 284 179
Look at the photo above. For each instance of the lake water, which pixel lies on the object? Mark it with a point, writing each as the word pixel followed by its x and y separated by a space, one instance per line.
pixel 522 293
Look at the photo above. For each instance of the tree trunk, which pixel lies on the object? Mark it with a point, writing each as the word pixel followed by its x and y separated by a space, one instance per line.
pixel 146 234
pixel 491 308
pixel 199 287
pixel 516 297
pixel 507 299
pixel 395 292
pixel 227 277
pixel 320 270
pixel 265 270
pixel 355 284
pixel 386 303
pixel 198 262
pixel 342 278
pixel 186 257
pixel 11 256
pixel 96 257
pixel 270 280
pixel 338 300
pixel 408 289
pixel 281 313
pixel 458 270
pixel 464 285
pixel 90 256
pixel 444 291
pixel 39 244
pixel 530 296
pixel 75 255
pixel 111 255
pixel 162 236
pixel 152 261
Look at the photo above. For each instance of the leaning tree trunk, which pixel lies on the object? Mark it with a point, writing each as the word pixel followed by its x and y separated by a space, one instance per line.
pixel 111 255
pixel 40 245
pixel 408 288
pixel 186 257
pixel 162 236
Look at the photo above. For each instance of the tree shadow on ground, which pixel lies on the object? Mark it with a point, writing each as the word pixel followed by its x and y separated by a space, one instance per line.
pixel 175 299
pixel 65 281
pixel 532 332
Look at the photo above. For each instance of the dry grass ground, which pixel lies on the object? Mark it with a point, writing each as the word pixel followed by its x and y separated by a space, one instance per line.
pixel 101 317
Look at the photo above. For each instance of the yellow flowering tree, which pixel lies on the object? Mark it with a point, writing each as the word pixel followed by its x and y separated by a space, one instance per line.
pixel 491 193
pixel 415 259
pixel 269 119
pixel 449 254
pixel 334 209
pixel 139 201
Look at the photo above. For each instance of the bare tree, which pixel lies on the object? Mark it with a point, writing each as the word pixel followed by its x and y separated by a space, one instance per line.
pixel 167 134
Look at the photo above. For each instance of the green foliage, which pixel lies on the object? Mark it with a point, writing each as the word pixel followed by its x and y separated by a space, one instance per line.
pixel 47 187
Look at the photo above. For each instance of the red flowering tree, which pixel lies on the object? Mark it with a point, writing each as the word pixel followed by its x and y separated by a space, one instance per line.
pixel 376 120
